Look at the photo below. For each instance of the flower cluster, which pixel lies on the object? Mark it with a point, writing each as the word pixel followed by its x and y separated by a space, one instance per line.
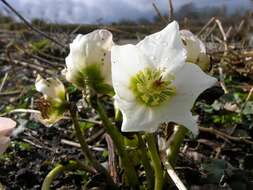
pixel 152 80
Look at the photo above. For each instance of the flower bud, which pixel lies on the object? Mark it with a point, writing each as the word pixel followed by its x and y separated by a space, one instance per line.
pixel 89 61
pixel 196 51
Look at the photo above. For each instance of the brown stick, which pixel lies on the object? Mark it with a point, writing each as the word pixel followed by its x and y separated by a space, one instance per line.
pixel 206 25
pixel 171 11
pixel 228 33
pixel 30 65
pixel 112 161
pixel 223 35
pixel 159 14
pixel 224 135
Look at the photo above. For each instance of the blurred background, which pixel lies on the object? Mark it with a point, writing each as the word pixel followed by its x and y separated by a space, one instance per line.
pixel 132 11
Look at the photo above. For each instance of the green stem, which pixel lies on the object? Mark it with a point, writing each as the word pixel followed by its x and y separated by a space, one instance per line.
pixel 155 160
pixel 72 164
pixel 51 176
pixel 118 142
pixel 85 149
pixel 84 146
pixel 118 115
pixel 177 139
pixel 146 163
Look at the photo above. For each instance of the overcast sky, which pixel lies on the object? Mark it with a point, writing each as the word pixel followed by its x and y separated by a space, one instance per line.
pixel 90 11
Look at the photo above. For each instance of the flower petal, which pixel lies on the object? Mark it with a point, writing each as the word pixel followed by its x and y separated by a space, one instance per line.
pixel 189 82
pixel 165 48
pixel 50 87
pixel 136 117
pixel 48 122
pixel 192 81
pixel 6 126
pixel 127 60
pixel 4 143
pixel 176 112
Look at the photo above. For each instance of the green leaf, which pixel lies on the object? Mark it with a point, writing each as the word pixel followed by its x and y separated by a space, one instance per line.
pixel 40 45
pixel 215 169
pixel 248 109
pixel 71 89
pixel 32 125
pixel 23 146
pixel 86 125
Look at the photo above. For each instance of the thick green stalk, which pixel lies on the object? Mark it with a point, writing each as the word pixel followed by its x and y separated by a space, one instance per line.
pixel 176 141
pixel 51 176
pixel 155 160
pixel 146 163
pixel 117 138
pixel 85 149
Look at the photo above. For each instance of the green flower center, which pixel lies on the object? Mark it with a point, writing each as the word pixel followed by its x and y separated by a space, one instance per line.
pixel 150 89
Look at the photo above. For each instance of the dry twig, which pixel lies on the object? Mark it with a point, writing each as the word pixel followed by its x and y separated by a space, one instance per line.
pixel 159 14
pixel 226 136
pixel 3 81
pixel 112 161
pixel 10 93
pixel 206 25
pixel 30 65
pixel 173 175
pixel 222 82
pixel 223 35
pixel 77 145
pixel 171 11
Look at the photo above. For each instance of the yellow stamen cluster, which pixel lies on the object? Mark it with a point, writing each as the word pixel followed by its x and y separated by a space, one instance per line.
pixel 150 88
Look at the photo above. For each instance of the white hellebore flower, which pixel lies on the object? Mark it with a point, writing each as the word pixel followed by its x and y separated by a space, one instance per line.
pixel 52 106
pixel 196 51
pixel 89 60
pixel 6 127
pixel 153 83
